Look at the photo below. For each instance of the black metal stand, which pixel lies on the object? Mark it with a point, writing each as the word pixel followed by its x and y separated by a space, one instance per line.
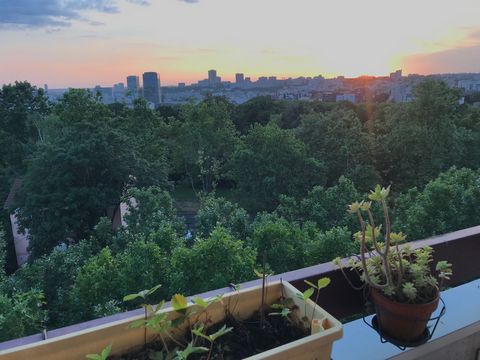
pixel 402 345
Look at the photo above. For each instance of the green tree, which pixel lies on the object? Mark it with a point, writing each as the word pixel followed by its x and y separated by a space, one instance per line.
pixel 149 209
pixel 281 241
pixel 21 315
pixel 215 212
pixel 70 183
pixel 54 275
pixel 325 207
pixel 3 255
pixel 23 107
pixel 416 141
pixel 256 111
pixel 449 202
pixel 328 245
pixel 96 283
pixel 211 263
pixel 142 266
pixel 206 140
pixel 148 133
pixel 269 162
pixel 337 139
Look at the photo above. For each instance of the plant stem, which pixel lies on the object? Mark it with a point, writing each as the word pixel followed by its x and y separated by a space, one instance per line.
pixel 262 316
pixel 164 344
pixel 210 351
pixel 314 306
pixel 145 329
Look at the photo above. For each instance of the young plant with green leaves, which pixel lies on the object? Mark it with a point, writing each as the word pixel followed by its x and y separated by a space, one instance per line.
pixel 144 294
pixel 263 275
pixel 399 272
pixel 321 284
pixel 189 350
pixel 283 308
pixel 102 356
pixel 199 331
pixel 307 294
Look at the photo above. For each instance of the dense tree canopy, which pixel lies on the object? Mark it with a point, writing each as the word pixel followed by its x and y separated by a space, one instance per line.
pixel 269 162
pixel 337 139
pixel 206 140
pixel 212 262
pixel 275 178
pixel 416 141
pixel 447 203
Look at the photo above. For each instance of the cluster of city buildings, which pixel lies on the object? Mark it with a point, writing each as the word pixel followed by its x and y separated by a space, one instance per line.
pixel 150 90
pixel 395 87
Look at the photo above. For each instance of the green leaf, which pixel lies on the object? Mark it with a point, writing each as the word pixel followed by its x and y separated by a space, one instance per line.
pixel 131 297
pixel 258 273
pixel 222 331
pixel 310 283
pixel 200 302
pixel 94 357
pixel 190 349
pixel 106 351
pixel 323 282
pixel 155 288
pixel 308 293
pixel 179 302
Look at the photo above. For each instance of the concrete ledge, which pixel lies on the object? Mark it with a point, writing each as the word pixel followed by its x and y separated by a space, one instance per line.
pixel 461 344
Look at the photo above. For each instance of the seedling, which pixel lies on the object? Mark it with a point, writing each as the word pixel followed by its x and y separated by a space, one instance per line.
pixel 211 338
pixel 307 294
pixel 189 350
pixel 143 295
pixel 321 283
pixel 263 275
pixel 283 310
pixel 103 355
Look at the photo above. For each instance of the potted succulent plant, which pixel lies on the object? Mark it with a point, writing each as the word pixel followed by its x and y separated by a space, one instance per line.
pixel 403 287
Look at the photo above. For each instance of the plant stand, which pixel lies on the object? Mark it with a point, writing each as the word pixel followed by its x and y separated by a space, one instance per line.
pixel 426 336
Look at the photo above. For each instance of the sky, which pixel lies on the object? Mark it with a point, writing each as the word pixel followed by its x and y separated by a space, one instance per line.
pixel 83 43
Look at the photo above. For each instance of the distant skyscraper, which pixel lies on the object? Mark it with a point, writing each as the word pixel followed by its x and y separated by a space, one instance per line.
pixel 133 85
pixel 212 77
pixel 151 88
pixel 239 78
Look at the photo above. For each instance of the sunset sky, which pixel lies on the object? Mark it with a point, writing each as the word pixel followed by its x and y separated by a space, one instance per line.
pixel 81 43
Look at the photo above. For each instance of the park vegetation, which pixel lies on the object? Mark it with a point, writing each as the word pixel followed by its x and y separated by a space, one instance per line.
pixel 266 171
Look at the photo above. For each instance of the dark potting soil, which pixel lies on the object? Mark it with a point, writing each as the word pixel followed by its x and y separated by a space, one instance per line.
pixel 247 338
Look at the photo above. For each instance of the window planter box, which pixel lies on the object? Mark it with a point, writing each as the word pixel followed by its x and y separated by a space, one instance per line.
pixel 76 345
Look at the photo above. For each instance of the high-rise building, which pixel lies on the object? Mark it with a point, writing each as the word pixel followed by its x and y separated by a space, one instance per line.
pixel 212 77
pixel 133 85
pixel 151 88
pixel 239 79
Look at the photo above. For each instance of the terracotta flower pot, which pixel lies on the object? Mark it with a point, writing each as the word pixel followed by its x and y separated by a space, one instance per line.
pixel 401 321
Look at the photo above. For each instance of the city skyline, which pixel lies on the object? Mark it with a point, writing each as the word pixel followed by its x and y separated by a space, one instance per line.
pixel 82 44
